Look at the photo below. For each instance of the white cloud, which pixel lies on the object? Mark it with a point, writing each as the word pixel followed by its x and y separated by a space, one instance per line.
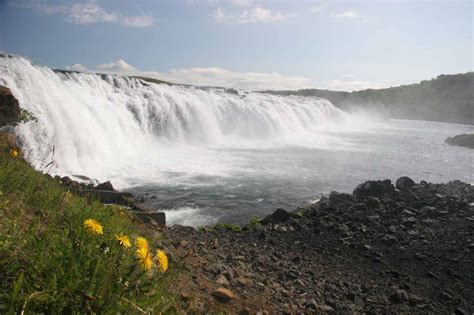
pixel 239 3
pixel 252 81
pixel 77 67
pixel 240 80
pixel 349 14
pixel 118 66
pixel 207 77
pixel 318 8
pixel 356 85
pixel 257 14
pixel 138 21
pixel 85 13
pixel 89 13
pixel 242 3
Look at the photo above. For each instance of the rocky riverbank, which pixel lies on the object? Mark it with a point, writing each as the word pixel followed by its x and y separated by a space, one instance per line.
pixel 464 140
pixel 381 249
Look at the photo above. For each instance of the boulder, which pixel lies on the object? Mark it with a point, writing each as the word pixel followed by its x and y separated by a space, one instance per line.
pixel 375 188
pixel 404 183
pixel 337 198
pixel 9 108
pixel 105 186
pixel 152 217
pixel 279 216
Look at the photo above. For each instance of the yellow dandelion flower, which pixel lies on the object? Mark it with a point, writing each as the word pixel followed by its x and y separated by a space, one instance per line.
pixel 93 227
pixel 141 243
pixel 14 153
pixel 123 240
pixel 162 260
pixel 144 258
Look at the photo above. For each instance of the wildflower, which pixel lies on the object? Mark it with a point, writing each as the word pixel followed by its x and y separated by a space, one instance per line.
pixel 123 240
pixel 14 153
pixel 141 242
pixel 162 260
pixel 144 258
pixel 143 253
pixel 92 226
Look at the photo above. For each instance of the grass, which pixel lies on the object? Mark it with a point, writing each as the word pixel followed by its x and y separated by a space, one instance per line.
pixel 50 263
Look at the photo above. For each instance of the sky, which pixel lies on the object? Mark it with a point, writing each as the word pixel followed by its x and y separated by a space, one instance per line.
pixel 247 44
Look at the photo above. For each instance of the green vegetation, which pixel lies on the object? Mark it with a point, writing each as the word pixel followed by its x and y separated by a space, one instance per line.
pixel 448 98
pixel 61 253
pixel 255 222
pixel 25 116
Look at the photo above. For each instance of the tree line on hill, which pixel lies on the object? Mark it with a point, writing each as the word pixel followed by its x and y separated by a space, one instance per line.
pixel 447 98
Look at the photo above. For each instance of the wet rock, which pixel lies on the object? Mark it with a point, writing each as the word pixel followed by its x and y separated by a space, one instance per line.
pixel 375 188
pixel 404 183
pixel 279 216
pixel 105 186
pixel 336 197
pixel 151 217
pixel 223 295
pixel 9 108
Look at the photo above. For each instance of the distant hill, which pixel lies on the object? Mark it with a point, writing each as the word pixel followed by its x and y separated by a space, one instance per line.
pixel 448 98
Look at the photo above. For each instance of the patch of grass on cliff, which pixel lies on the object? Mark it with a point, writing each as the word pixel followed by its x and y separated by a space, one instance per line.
pixel 51 262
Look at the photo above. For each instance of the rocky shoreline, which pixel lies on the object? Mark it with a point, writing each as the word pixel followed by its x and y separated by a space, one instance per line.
pixel 388 249
pixel 464 140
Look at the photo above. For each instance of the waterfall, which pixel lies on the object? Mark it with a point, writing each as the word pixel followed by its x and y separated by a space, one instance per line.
pixel 103 124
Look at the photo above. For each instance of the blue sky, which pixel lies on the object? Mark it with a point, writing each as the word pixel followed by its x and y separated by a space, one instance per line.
pixel 343 45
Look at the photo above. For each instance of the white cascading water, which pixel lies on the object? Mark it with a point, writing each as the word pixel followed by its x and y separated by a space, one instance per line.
pixel 108 127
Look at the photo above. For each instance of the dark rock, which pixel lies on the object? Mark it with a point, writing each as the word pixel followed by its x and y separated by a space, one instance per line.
pixel 105 186
pixel 373 202
pixel 232 91
pixel 311 304
pixel 399 296
pixel 279 216
pixel 153 217
pixel 9 108
pixel 460 311
pixel 428 211
pixel 336 197
pixel 375 188
pixel 464 140
pixel 404 183
pixel 359 207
